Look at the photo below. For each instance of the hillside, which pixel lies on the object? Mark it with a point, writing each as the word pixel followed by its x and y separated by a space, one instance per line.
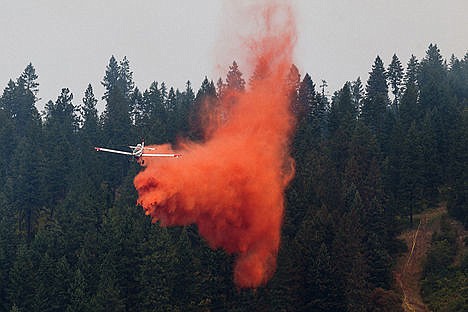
pixel 410 266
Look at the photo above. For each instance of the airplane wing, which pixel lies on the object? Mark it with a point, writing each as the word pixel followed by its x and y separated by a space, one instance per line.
pixel 161 155
pixel 101 149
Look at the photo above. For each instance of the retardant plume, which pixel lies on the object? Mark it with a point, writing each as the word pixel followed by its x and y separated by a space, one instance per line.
pixel 232 185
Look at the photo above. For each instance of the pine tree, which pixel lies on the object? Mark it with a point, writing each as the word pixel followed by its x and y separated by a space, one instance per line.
pixel 158 266
pixel 79 298
pixel 184 106
pixel 108 296
pixel 89 113
pixel 61 125
pixel 410 109
pixel 53 283
pixel 341 124
pixel 171 107
pixel 23 283
pixel 432 80
pixel 376 99
pixel 234 80
pixel 357 91
pixel 185 281
pixel 125 78
pixel 395 77
pixel 201 115
pixel 137 109
pixel 28 80
pixel 349 260
pixel 437 100
pixel 458 76
pixel 156 124
pixel 307 105
pixel 8 245
pixel 19 100
pixel 23 186
pixel 111 78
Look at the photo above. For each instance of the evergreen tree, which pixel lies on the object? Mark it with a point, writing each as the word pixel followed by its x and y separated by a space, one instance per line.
pixel 171 107
pixel 158 265
pixel 341 123
pixel 318 285
pixel 8 245
pixel 184 106
pixel 395 77
pixel 89 113
pixel 28 80
pixel 19 101
pixel 201 112
pixel 357 91
pixel 137 108
pixel 376 99
pixel 79 300
pixel 410 109
pixel 71 241
pixel 307 105
pixel 60 129
pixel 111 78
pixel 458 76
pixel 53 283
pixel 108 296
pixel 22 284
pixel 156 124
pixel 432 80
pixel 293 81
pixel 349 257
pixel 234 80
pixel 125 78
pixel 438 103
pixel 23 186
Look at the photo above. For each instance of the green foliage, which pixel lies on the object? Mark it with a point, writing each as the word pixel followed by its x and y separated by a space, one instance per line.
pixel 72 240
pixel 444 283
pixel 376 100
pixel 395 77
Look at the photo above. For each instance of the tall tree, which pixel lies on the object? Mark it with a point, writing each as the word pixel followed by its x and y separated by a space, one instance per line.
pixel 171 107
pixel 61 124
pixel 437 100
pixel 111 77
pixel 125 78
pixel 234 80
pixel 395 77
pixel 410 109
pixel 23 186
pixel 376 99
pixel 357 92
pixel 184 106
pixel 28 80
pixel 293 84
pixel 22 280
pixel 201 115
pixel 19 101
pixel 89 112
pixel 432 79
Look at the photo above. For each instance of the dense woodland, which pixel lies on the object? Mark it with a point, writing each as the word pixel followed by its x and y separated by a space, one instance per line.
pixel 367 159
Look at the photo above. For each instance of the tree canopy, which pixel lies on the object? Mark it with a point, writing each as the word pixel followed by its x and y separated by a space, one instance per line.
pixel 71 238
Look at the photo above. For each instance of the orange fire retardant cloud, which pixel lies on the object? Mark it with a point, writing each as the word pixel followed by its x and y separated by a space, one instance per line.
pixel 232 185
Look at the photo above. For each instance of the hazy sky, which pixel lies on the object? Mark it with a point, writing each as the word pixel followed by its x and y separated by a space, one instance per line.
pixel 70 42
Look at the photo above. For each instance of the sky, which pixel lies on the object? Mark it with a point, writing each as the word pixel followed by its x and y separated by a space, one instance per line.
pixel 70 42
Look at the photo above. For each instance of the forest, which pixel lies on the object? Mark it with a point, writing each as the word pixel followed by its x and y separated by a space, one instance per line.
pixel 368 158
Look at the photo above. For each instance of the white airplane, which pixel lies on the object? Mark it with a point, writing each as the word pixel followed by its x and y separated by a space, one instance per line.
pixel 137 152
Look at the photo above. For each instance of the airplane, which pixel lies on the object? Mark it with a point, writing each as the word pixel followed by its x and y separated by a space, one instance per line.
pixel 137 152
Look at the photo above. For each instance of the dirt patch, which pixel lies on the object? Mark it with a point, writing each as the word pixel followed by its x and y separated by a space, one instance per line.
pixel 409 266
